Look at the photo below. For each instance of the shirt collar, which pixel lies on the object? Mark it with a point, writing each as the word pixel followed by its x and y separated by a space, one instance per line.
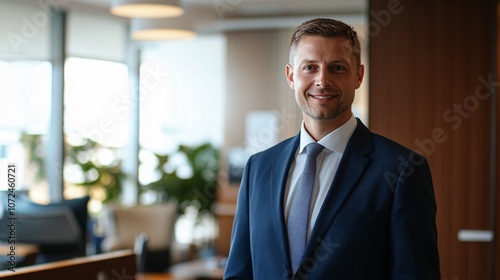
pixel 334 141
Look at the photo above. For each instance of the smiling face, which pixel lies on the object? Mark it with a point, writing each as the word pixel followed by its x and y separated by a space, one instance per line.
pixel 324 75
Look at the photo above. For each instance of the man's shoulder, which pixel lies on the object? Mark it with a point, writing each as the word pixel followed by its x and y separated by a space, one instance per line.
pixel 389 147
pixel 282 148
pixel 382 144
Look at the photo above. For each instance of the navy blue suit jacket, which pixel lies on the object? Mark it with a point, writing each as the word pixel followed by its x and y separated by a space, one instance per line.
pixel 377 220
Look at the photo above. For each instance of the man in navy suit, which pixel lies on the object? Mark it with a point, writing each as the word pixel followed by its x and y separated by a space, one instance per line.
pixel 372 210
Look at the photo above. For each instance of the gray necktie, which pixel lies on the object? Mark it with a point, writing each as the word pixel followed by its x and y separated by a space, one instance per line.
pixel 298 218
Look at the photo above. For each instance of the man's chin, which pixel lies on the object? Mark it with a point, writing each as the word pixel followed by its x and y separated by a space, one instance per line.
pixel 327 116
pixel 323 116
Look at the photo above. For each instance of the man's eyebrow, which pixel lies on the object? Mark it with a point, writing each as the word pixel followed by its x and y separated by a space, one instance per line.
pixel 343 60
pixel 305 61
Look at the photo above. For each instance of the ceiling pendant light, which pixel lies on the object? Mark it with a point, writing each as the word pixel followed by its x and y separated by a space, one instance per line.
pixel 146 8
pixel 143 29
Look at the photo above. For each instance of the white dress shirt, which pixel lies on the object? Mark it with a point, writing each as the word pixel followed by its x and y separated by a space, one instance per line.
pixel 327 164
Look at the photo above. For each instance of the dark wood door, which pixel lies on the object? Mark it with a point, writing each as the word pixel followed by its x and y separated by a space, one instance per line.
pixel 432 77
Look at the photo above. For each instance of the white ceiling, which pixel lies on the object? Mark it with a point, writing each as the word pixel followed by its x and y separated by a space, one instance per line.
pixel 226 15
pixel 259 8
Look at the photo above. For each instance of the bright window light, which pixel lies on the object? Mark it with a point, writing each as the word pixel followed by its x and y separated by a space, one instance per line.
pixel 97 102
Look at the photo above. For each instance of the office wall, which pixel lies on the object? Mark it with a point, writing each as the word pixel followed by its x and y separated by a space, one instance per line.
pixel 430 89
pixel 496 247
pixel 256 82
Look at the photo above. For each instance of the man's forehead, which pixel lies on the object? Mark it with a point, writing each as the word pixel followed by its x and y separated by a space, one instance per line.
pixel 338 46
pixel 334 41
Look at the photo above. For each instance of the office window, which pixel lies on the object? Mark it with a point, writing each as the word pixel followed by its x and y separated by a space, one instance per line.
pixel 181 97
pixel 96 94
pixel 25 92
pixel 182 92
pixel 96 108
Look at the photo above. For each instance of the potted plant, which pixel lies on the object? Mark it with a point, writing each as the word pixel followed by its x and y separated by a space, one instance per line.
pixel 198 189
pixel 100 168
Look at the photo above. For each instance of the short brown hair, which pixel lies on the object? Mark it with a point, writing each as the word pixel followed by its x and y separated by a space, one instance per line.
pixel 326 27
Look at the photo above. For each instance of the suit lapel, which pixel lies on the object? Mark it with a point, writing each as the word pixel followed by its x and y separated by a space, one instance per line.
pixel 280 167
pixel 351 167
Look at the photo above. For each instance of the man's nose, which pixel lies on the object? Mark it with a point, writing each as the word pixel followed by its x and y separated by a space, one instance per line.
pixel 323 78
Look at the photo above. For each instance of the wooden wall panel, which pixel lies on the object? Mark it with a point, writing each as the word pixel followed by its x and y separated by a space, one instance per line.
pixel 426 63
pixel 497 125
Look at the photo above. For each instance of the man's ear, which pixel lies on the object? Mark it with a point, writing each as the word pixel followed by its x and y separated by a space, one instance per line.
pixel 359 75
pixel 289 76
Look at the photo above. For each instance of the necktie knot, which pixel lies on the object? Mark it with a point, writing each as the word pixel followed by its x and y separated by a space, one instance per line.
pixel 314 149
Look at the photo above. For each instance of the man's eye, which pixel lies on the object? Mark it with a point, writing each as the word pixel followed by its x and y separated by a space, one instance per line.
pixel 308 67
pixel 338 68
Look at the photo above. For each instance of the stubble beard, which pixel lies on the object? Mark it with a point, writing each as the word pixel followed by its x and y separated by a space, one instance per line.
pixel 325 116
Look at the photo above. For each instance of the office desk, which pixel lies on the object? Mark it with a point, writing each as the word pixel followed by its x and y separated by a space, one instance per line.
pixel 193 270
pixel 168 276
pixel 25 254
pixel 107 265
pixel 154 276
pixel 21 250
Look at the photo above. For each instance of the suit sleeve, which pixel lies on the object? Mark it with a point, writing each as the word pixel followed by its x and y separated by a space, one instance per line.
pixel 414 253
pixel 239 264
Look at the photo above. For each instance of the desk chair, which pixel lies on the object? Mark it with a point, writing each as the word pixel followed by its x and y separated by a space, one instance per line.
pixel 122 225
